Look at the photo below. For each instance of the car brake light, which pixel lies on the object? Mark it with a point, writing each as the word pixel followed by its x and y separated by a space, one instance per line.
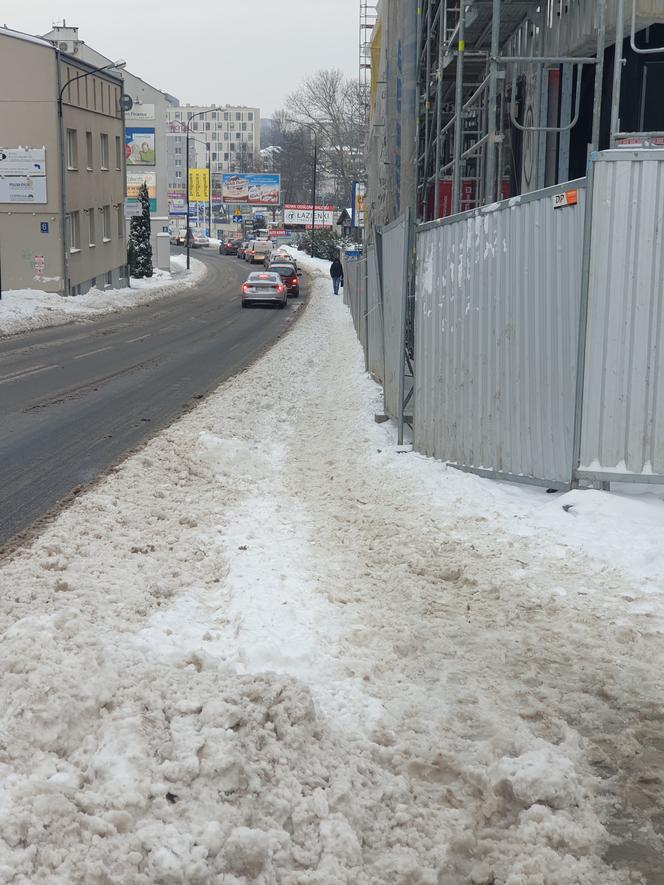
pixel 280 288
pixel 245 287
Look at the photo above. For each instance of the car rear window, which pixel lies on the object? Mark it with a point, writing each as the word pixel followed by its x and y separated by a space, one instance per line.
pixel 269 277
pixel 285 270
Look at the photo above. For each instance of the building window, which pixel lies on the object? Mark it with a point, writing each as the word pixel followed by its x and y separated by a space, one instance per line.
pixel 250 115
pixel 178 150
pixel 178 115
pixel 106 223
pixel 214 156
pixel 72 149
pixel 109 278
pixel 91 220
pixel 244 127
pixel 104 150
pixel 120 221
pixel 178 162
pixel 238 116
pixel 118 153
pixel 194 125
pixel 88 150
pixel 238 136
pixel 226 158
pixel 178 175
pixel 232 126
pixel 74 231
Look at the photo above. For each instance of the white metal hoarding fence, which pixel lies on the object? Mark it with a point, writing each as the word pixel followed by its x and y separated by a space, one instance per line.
pixel 496 328
pixel 374 313
pixel 394 259
pixel 622 419
pixel 355 295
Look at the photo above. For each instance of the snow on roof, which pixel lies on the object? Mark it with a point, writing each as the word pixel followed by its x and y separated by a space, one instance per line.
pixel 29 38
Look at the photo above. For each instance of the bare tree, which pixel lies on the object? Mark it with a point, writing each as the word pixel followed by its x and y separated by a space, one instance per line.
pixel 291 155
pixel 331 103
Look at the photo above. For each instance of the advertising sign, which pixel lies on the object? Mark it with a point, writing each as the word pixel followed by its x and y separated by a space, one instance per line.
pixel 359 204
pixel 23 189
pixel 255 188
pixel 22 161
pixel 139 146
pixel 199 186
pixel 300 214
pixel 140 112
pixel 132 209
pixel 134 182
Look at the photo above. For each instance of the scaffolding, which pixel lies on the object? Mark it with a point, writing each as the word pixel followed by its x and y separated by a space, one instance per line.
pixel 368 16
pixel 497 76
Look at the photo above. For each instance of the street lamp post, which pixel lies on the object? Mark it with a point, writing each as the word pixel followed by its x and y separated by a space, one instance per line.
pixel 313 188
pixel 188 236
pixel 120 63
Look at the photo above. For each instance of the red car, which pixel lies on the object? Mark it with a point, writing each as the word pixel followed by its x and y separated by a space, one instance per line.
pixel 289 277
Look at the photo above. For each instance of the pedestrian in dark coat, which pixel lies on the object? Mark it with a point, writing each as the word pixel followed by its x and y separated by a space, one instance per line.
pixel 337 274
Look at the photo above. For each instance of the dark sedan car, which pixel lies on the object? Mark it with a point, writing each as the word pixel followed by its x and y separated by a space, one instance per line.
pixel 229 247
pixel 289 276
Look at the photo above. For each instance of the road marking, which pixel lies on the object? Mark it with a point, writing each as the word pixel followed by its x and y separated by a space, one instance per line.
pixel 92 352
pixel 17 376
pixel 140 338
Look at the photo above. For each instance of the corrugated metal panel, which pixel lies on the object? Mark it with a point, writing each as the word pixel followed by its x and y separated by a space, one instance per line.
pixel 394 256
pixel 355 293
pixel 496 326
pixel 374 316
pixel 623 402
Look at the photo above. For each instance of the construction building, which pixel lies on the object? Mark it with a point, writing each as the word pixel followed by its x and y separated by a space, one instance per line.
pixel 510 94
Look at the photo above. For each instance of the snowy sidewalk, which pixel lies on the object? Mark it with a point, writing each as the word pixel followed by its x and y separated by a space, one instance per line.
pixel 24 309
pixel 271 649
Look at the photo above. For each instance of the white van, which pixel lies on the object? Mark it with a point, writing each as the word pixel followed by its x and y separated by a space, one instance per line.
pixel 261 251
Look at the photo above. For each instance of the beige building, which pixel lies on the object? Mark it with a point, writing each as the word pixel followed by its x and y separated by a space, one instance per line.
pixel 62 170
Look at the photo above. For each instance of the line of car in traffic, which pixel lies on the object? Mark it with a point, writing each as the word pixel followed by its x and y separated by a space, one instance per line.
pixel 273 285
pixel 196 240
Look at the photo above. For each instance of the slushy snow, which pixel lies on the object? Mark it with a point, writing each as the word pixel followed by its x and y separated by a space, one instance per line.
pixel 24 309
pixel 273 647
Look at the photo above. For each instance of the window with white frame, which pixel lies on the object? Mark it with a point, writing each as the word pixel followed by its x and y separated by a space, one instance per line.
pixel 103 141
pixel 118 153
pixel 106 223
pixel 72 149
pixel 74 231
pixel 92 225
pixel 88 151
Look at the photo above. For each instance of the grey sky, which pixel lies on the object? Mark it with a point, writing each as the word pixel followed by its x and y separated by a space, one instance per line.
pixel 252 52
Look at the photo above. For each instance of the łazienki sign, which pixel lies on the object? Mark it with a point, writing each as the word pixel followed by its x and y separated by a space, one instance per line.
pixel 300 214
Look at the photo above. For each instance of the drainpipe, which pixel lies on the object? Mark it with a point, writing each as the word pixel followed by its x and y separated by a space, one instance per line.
pixel 63 210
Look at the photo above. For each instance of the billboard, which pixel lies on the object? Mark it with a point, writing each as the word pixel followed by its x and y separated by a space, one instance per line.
pixel 139 146
pixel 359 204
pixel 140 112
pixel 255 188
pixel 300 214
pixel 134 182
pixel 23 175
pixel 199 186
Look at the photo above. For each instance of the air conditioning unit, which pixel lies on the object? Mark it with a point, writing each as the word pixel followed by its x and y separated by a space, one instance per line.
pixel 70 48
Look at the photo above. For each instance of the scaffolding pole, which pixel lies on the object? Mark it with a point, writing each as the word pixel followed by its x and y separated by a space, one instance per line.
pixel 458 103
pixel 490 183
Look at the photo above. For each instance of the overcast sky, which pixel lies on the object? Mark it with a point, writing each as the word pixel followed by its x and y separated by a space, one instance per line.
pixel 246 52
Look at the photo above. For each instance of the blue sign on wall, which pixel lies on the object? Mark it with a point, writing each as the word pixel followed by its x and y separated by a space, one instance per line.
pixel 43 227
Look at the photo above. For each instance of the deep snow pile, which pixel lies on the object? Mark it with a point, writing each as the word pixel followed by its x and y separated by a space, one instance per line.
pixel 24 309
pixel 269 648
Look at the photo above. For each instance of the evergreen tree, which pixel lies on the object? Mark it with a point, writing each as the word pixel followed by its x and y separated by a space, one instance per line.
pixel 139 250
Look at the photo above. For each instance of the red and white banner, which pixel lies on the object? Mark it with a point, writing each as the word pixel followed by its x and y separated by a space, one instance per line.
pixel 300 214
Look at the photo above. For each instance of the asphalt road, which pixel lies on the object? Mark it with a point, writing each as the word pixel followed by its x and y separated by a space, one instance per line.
pixel 74 399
